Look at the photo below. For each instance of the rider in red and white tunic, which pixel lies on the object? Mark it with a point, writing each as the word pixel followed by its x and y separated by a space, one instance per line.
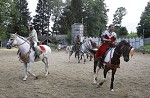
pixel 108 39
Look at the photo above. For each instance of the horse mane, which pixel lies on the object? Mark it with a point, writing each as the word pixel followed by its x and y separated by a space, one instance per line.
pixel 123 42
pixel 21 37
pixel 94 47
pixel 117 52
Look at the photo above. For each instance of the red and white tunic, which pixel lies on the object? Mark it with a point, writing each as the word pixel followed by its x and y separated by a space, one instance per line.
pixel 109 36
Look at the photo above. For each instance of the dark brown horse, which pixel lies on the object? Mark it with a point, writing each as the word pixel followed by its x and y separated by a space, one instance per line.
pixel 112 61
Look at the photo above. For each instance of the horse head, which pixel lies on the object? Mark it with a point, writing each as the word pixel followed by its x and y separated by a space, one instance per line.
pixel 125 49
pixel 88 44
pixel 12 41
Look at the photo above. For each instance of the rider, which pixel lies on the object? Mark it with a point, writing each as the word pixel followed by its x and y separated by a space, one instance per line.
pixel 34 40
pixel 108 40
pixel 77 42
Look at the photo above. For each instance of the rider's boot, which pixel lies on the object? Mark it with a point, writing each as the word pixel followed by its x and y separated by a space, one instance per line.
pixel 38 52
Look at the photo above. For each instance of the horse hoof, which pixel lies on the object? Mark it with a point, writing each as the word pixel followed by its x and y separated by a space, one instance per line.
pixel 112 90
pixel 98 86
pixel 24 79
pixel 46 74
pixel 96 78
pixel 94 82
pixel 36 77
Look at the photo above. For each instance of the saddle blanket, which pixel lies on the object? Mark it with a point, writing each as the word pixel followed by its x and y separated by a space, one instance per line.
pixel 42 48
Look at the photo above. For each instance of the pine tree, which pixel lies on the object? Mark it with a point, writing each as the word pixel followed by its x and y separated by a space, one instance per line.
pixel 41 19
pixel 95 17
pixel 20 18
pixel 76 8
pixel 118 16
pixel 143 28
pixel 92 13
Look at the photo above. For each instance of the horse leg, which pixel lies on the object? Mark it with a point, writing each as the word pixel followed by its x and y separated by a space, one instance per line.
pixel 91 57
pixel 26 72
pixel 29 70
pixel 84 59
pixel 75 54
pixel 70 53
pixel 45 61
pixel 79 57
pixel 87 55
pixel 112 79
pixel 104 73
pixel 96 70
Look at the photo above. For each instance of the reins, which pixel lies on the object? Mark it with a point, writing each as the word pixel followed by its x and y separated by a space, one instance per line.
pixel 119 53
pixel 23 42
pixel 109 64
pixel 23 57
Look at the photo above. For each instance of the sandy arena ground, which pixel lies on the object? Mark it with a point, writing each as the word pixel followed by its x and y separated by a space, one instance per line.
pixel 72 80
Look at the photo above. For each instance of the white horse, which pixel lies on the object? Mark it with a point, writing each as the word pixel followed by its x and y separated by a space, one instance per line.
pixel 70 50
pixel 27 54
pixel 86 48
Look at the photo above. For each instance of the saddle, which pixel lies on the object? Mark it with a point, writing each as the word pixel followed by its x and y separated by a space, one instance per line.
pixel 109 64
pixel 42 50
pixel 108 49
pixel 23 57
pixel 101 60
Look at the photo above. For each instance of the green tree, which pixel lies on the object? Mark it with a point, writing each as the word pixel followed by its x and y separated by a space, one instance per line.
pixel 117 20
pixel 19 18
pixel 143 28
pixel 123 31
pixel 94 17
pixel 42 18
pixel 118 16
pixel 92 13
pixel 76 8
pixel 66 20
pixel 5 6
pixel 56 13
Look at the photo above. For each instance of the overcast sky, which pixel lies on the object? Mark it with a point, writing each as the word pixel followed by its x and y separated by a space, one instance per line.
pixel 132 18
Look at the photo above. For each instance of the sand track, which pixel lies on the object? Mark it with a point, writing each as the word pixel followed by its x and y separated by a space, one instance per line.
pixel 72 80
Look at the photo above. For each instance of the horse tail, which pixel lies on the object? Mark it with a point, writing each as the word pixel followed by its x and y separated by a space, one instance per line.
pixel 93 51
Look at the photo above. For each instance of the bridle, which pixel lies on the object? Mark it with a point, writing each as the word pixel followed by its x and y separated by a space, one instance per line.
pixel 119 54
pixel 21 38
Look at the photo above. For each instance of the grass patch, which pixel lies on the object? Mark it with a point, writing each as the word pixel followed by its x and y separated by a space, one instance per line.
pixel 131 35
pixel 145 49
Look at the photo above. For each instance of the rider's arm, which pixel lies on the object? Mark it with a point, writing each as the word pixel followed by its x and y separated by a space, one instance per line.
pixel 104 36
pixel 31 36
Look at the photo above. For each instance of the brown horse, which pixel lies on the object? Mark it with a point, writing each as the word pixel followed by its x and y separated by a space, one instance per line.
pixel 112 61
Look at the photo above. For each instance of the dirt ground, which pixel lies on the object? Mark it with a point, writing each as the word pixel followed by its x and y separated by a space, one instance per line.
pixel 72 80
